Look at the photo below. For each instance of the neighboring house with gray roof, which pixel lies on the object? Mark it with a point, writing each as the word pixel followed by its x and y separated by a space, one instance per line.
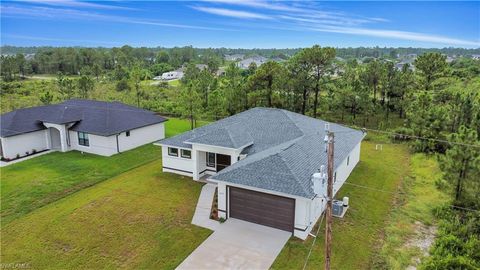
pixel 258 60
pixel 97 127
pixel 263 161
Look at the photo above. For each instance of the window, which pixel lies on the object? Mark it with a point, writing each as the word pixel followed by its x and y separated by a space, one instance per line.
pixel 173 152
pixel 83 139
pixel 335 177
pixel 348 160
pixel 127 133
pixel 186 153
pixel 210 159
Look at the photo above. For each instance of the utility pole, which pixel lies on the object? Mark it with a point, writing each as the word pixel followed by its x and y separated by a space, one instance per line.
pixel 328 213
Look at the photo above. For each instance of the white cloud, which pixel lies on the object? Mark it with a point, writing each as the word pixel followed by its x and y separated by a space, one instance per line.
pixel 76 4
pixel 301 18
pixel 232 13
pixel 404 35
pixel 83 41
pixel 72 14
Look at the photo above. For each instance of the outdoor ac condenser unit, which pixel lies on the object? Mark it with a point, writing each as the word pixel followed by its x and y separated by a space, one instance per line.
pixel 337 208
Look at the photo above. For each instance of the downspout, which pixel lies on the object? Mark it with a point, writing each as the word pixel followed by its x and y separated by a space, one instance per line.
pixel 118 147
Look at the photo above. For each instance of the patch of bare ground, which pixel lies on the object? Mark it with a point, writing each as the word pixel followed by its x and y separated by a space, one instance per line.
pixel 422 240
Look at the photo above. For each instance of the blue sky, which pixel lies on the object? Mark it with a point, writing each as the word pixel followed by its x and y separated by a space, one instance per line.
pixel 240 24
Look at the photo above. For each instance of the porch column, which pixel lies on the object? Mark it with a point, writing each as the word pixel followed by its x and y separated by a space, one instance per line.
pixel 63 140
pixel 195 159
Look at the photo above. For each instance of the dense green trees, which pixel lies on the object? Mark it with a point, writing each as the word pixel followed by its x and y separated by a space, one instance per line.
pixel 431 66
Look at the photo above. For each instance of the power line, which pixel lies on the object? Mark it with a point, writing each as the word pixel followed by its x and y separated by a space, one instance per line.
pixel 416 137
pixel 314 240
pixel 403 193
pixel 376 189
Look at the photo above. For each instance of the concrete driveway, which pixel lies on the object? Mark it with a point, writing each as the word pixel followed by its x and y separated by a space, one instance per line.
pixel 238 244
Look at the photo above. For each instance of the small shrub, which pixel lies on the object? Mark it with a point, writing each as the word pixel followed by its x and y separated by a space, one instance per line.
pixel 18 156
pixel 27 153
pixel 34 151
pixel 221 220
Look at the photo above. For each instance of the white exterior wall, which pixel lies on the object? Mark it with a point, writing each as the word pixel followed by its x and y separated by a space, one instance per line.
pixel 307 212
pixel 107 146
pixel 99 145
pixel 222 200
pixel 20 144
pixel 141 136
pixel 178 165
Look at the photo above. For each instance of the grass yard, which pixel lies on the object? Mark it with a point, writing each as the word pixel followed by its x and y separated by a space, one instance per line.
pixel 176 126
pixel 28 185
pixel 356 236
pixel 137 220
pixel 412 220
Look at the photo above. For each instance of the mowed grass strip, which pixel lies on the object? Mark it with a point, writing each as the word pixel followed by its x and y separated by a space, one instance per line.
pixel 139 219
pixel 413 214
pixel 355 237
pixel 28 185
pixel 34 183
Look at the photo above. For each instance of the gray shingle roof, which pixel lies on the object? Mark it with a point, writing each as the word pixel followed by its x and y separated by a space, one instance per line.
pixel 287 148
pixel 96 117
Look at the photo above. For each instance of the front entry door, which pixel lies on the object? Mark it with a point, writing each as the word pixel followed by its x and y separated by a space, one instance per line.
pixel 223 161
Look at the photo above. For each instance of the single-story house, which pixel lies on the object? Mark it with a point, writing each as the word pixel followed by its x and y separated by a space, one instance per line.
pixel 97 127
pixel 171 75
pixel 234 57
pixel 258 60
pixel 263 161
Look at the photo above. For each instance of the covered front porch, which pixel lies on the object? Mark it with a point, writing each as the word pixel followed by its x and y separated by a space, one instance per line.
pixel 209 163
pixel 208 160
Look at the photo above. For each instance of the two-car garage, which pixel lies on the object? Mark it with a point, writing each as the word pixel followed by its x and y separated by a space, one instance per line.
pixel 262 208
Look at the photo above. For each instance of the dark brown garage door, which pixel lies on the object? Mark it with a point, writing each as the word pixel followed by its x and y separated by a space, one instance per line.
pixel 261 208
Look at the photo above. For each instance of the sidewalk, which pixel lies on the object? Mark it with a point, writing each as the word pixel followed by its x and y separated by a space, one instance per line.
pixel 204 205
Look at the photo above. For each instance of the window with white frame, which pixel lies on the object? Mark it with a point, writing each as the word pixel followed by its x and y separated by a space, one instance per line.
pixel 210 159
pixel 173 152
pixel 83 139
pixel 348 160
pixel 186 153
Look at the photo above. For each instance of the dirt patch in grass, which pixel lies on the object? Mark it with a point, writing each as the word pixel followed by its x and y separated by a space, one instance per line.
pixel 411 229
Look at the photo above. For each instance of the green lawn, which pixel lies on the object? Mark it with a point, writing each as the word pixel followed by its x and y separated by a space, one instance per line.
pixel 176 126
pixel 356 236
pixel 36 182
pixel 137 220
pixel 414 210
pixel 33 183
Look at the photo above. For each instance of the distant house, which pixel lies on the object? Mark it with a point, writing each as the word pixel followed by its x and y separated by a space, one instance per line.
pixel 265 163
pixel 201 66
pixel 171 75
pixel 29 56
pixel 221 71
pixel 399 65
pixel 234 57
pixel 258 60
pixel 97 127
pixel 476 56
pixel 450 59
